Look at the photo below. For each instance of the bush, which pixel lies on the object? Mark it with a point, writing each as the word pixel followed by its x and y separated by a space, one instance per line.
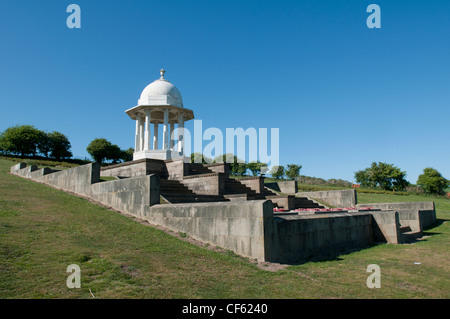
pixel 382 175
pixel 432 182
pixel 293 171
pixel 277 172
pixel 103 150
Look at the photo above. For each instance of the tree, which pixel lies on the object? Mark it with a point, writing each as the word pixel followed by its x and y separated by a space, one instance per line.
pixel 237 167
pixel 43 144
pixel 59 145
pixel 21 139
pixel 102 150
pixel 98 149
pixel 383 175
pixel 127 155
pixel 199 158
pixel 293 171
pixel 432 181
pixel 257 167
pixel 277 172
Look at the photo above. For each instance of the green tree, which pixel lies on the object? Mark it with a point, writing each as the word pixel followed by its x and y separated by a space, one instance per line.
pixel 293 171
pixel 432 181
pixel 22 140
pixel 101 150
pixel 59 145
pixel 257 167
pixel 43 144
pixel 383 175
pixel 127 155
pixel 200 158
pixel 237 167
pixel 277 172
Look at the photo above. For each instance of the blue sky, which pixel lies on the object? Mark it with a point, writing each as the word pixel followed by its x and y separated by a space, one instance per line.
pixel 343 95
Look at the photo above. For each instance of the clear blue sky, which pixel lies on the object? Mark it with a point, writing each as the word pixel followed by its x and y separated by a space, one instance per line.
pixel 343 95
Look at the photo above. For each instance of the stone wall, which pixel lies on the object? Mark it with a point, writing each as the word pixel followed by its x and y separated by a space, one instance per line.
pixel 255 183
pixel 336 198
pixel 177 169
pixel 77 180
pixel 238 226
pixel 205 184
pixel 249 228
pixel 136 168
pixel 386 226
pixel 131 196
pixel 407 212
pixel 286 187
pixel 218 168
pixel 295 239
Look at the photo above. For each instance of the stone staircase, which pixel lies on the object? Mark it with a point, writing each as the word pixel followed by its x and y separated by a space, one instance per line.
pixel 232 186
pixel 175 192
pixel 304 202
pixel 196 169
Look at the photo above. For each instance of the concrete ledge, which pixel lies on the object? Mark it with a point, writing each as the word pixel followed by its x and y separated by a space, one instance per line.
pixel 236 197
pixel 255 183
pixel 284 201
pixel 337 198
pixel 135 168
pixel 386 226
pixel 14 169
pixel 132 195
pixel 235 226
pixel 426 216
pixel 287 187
pixel 200 175
pixel 205 184
pixel 295 239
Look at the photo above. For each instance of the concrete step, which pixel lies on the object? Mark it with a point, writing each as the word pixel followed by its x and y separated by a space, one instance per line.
pixel 195 169
pixel 233 186
pixel 178 199
pixel 173 188
pixel 410 236
pixel 405 229
pixel 303 202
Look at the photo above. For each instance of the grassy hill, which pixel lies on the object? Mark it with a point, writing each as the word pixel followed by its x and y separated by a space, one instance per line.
pixel 43 230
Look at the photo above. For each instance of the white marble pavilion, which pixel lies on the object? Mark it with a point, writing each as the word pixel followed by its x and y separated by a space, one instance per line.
pixel 160 103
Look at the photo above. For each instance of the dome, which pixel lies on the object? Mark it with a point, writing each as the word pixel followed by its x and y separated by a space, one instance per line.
pixel 161 92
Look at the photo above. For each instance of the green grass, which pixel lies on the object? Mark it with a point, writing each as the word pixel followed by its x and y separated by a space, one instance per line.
pixel 43 230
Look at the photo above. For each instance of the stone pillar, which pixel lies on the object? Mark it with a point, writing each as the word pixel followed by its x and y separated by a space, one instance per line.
pixel 180 134
pixel 155 136
pixel 147 130
pixel 137 138
pixel 171 137
pixel 141 148
pixel 166 130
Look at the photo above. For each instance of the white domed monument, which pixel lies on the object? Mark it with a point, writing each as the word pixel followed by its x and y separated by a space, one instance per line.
pixel 160 103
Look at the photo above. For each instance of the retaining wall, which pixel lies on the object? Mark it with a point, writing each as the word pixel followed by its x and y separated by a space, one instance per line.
pixel 287 187
pixel 131 196
pixel 249 228
pixel 255 183
pixel 337 198
pixel 205 184
pixel 140 167
pixel 300 238
pixel 413 214
pixel 235 226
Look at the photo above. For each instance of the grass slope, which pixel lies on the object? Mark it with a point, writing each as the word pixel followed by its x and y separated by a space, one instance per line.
pixel 43 230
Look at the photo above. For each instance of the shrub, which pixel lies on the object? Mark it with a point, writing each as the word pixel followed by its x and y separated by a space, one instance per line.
pixel 432 182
